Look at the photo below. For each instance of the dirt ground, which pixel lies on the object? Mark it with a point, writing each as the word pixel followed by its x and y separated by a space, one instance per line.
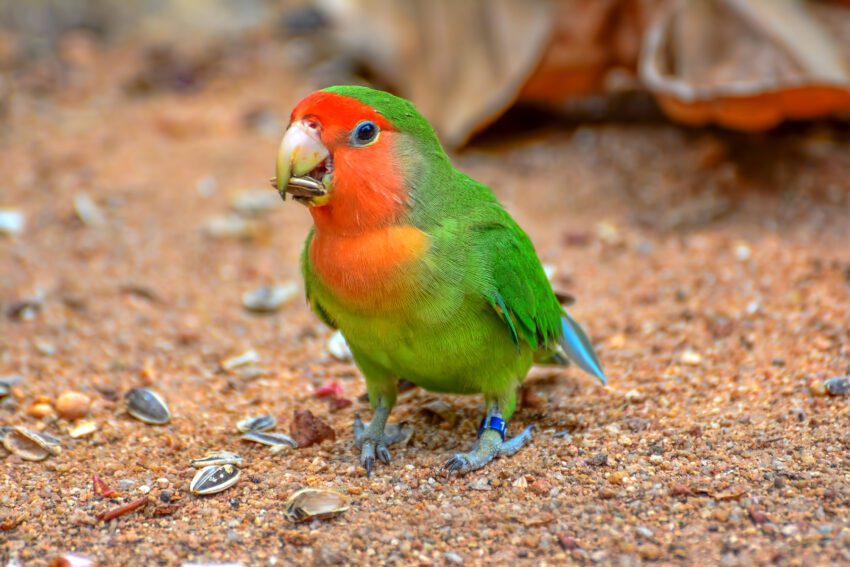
pixel 712 271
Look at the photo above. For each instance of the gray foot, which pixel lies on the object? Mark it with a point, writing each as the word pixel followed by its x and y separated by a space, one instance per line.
pixel 488 447
pixel 373 439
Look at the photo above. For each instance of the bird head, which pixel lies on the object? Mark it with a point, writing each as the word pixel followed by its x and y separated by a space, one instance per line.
pixel 350 154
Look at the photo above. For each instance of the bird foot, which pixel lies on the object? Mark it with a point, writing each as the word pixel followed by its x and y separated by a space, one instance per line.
pixel 488 447
pixel 373 440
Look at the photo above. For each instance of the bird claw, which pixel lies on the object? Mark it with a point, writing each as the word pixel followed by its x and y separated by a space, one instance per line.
pixel 483 453
pixel 457 464
pixel 373 444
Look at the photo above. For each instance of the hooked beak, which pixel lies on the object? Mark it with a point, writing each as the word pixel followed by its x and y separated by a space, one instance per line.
pixel 304 165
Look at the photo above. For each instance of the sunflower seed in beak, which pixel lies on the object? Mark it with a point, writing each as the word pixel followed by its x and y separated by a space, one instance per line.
pixel 305 187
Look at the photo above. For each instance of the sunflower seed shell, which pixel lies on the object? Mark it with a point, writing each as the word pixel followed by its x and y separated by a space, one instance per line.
pixel 213 479
pixel 148 406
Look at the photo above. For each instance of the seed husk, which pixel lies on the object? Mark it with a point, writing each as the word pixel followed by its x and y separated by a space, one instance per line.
pixel 838 386
pixel 244 359
pixel 257 423
pixel 315 504
pixel 31 445
pixel 82 429
pixel 305 187
pixel 217 458
pixel 271 439
pixel 213 479
pixel 148 406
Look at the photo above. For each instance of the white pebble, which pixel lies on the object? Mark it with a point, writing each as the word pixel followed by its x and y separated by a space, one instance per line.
pixel 338 347
pixel 12 222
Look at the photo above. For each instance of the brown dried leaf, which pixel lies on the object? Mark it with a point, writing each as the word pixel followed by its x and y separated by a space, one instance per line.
pixel 308 429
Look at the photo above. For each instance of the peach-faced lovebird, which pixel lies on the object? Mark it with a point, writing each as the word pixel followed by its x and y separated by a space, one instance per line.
pixel 425 274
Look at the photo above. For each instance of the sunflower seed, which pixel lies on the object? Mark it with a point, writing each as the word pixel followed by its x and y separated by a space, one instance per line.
pixel 315 504
pixel 258 423
pixel 271 439
pixel 31 445
pixel 215 478
pixel 217 458
pixel 148 406
pixel 838 386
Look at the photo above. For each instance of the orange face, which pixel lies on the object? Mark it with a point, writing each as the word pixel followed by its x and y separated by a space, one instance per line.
pixel 339 157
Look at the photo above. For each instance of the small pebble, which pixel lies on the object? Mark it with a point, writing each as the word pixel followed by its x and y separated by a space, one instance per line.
pixel 144 489
pixel 73 405
pixel 12 222
pixel 40 410
pixel 89 212
pixel 255 202
pixel 247 357
pixel 126 484
pixel 162 482
pixel 743 251
pixel 268 299
pixel 644 532
pixel 452 557
pixel 480 483
pixel 691 358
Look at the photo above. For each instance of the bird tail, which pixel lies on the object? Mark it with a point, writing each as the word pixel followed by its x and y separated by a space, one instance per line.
pixel 577 348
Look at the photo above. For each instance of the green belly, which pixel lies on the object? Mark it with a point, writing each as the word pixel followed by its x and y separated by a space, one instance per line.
pixel 469 352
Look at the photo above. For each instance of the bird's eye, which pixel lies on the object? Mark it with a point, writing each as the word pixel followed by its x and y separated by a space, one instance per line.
pixel 364 133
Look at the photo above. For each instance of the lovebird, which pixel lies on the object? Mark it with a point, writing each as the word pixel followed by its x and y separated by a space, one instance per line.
pixel 426 275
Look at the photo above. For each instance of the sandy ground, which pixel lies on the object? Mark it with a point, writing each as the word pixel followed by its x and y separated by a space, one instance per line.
pixel 712 271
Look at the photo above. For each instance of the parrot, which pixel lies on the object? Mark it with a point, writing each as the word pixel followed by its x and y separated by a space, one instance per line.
pixel 420 267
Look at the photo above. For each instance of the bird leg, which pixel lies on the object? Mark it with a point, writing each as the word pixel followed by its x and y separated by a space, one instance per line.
pixel 492 442
pixel 373 438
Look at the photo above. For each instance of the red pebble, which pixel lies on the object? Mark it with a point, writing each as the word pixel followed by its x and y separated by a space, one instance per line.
pixel 332 389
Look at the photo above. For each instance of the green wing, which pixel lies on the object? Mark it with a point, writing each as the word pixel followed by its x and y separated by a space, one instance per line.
pixel 520 292
pixel 309 282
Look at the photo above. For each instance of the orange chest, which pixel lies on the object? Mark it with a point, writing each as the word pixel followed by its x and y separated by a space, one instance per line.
pixel 371 269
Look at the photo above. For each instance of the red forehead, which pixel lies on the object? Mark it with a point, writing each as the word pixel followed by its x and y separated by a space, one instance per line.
pixel 334 111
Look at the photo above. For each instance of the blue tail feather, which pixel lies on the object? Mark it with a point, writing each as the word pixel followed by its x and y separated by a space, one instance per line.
pixel 577 347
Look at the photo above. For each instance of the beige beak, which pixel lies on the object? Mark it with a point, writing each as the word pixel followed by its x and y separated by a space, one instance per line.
pixel 300 152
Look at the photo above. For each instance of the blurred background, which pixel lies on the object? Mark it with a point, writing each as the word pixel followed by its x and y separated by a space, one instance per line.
pixel 743 64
